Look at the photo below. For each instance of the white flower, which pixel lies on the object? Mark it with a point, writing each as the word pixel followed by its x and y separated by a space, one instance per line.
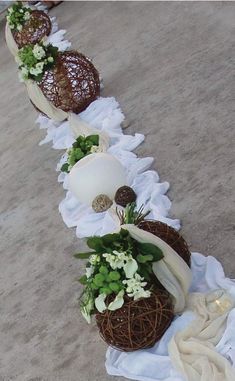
pixel 100 304
pixel 89 271
pixel 86 310
pixel 34 71
pixel 26 16
pixel 94 258
pixel 19 27
pixel 130 267
pixel 95 149
pixel 117 302
pixel 116 260
pixel 21 11
pixel 50 59
pixel 10 10
pixel 135 287
pixel 38 52
pixel 40 66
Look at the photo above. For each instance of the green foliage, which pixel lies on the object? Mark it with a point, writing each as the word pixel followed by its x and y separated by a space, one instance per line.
pixel 17 15
pixel 83 255
pixel 34 60
pixel 80 148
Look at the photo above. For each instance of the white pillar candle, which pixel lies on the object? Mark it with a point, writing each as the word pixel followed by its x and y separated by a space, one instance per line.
pixel 97 173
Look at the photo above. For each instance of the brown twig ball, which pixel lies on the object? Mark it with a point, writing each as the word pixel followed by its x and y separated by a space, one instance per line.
pixel 34 29
pixel 125 195
pixel 137 324
pixel 72 84
pixel 169 235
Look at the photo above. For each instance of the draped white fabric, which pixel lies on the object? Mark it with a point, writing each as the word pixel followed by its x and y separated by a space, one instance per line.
pixel 155 364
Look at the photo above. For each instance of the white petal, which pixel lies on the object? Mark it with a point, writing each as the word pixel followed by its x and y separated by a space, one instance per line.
pixel 86 315
pixel 100 304
pixel 117 302
pixel 130 268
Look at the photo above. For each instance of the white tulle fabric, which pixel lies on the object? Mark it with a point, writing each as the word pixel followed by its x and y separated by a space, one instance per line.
pixel 189 337
pixel 104 117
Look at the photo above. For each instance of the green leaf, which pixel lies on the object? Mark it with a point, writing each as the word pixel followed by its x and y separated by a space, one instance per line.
pixel 110 238
pixel 65 168
pixel 96 243
pixel 94 139
pixel 150 249
pixel 83 255
pixel 144 258
pixel 83 280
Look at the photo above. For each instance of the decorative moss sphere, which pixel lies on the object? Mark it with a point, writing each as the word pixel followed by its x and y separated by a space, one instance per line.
pixel 125 195
pixel 101 203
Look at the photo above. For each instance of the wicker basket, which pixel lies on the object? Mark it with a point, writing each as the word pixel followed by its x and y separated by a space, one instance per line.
pixel 33 31
pixel 138 324
pixel 72 84
pixel 169 235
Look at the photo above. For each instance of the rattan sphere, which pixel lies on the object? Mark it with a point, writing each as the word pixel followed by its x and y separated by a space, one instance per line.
pixel 125 195
pixel 101 203
pixel 72 84
pixel 169 235
pixel 137 324
pixel 37 27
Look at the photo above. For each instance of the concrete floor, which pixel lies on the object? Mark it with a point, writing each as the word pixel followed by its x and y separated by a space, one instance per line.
pixel 170 67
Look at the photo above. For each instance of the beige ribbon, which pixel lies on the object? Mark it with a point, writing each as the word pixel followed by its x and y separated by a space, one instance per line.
pixel 192 350
pixel 11 44
pixel 172 271
pixel 41 102
pixel 79 127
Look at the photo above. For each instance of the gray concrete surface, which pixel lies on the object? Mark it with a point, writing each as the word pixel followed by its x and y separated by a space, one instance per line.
pixel 170 65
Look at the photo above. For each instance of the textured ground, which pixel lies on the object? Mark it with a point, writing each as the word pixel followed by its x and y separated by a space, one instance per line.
pixel 170 67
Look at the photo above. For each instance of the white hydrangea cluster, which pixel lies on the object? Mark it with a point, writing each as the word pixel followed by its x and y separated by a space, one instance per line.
pixel 11 20
pixel 135 287
pixel 38 52
pixel 95 149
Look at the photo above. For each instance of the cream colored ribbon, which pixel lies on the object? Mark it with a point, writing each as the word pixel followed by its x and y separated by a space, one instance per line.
pixel 172 271
pixel 41 102
pixel 11 44
pixel 192 350
pixel 79 127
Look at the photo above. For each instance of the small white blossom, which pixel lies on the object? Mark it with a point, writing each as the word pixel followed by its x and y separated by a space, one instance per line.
pixel 94 259
pixel 50 59
pixel 19 27
pixel 95 149
pixel 40 66
pixel 35 71
pixel 10 10
pixel 135 287
pixel 100 304
pixel 21 11
pixel 116 260
pixel 38 52
pixel 26 16
pixel 89 271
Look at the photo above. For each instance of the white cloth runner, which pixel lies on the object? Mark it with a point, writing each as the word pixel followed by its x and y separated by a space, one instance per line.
pixel 105 116
pixel 155 364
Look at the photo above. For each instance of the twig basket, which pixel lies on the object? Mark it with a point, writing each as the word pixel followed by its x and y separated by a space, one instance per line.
pixel 138 324
pixel 169 235
pixel 72 84
pixel 33 31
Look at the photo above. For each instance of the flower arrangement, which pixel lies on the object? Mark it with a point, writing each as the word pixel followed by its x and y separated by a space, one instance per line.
pixel 34 60
pixel 118 266
pixel 83 146
pixel 17 15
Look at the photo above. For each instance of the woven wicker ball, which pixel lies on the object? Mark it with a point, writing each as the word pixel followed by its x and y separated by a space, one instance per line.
pixel 125 195
pixel 72 84
pixel 137 324
pixel 37 27
pixel 101 203
pixel 170 236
